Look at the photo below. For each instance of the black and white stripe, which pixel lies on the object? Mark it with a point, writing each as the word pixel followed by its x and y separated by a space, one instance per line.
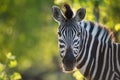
pixel 98 31
pixel 67 38
pixel 99 60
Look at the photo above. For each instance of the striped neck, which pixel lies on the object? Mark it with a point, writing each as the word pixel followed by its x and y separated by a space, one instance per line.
pixel 98 60
pixel 89 53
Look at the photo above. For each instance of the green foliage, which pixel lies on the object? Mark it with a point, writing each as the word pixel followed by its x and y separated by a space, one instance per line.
pixel 15 76
pixel 7 69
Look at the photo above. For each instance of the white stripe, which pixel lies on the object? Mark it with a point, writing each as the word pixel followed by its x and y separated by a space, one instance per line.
pixel 105 34
pixel 95 30
pixel 89 55
pixel 96 61
pixel 104 62
pixel 117 57
pixel 101 34
pixel 83 69
pixel 108 38
pixel 83 43
pixel 113 76
pixel 88 26
pixel 113 57
pixel 82 24
pixel 109 68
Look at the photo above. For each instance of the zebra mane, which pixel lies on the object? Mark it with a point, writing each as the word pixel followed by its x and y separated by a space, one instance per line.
pixel 98 28
pixel 110 33
pixel 68 11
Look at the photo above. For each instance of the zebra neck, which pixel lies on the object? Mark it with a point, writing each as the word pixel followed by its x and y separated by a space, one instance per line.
pixel 83 40
pixel 115 50
pixel 87 54
pixel 98 57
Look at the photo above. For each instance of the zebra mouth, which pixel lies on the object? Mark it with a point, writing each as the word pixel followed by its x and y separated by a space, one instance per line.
pixel 68 68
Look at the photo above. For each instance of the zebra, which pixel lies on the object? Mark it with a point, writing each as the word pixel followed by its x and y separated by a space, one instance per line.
pixel 86 46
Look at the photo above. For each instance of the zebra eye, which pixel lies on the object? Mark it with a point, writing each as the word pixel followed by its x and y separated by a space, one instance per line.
pixel 78 34
pixel 59 33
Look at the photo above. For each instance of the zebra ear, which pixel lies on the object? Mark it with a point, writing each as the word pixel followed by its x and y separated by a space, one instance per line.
pixel 80 14
pixel 57 14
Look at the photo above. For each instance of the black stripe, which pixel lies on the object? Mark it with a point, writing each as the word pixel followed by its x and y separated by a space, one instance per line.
pixel 92 57
pixel 118 53
pixel 80 56
pixel 61 41
pixel 61 28
pixel 85 25
pixel 103 36
pixel 93 67
pixel 106 36
pixel 114 56
pixel 62 46
pixel 77 47
pixel 87 51
pixel 75 41
pixel 62 51
pixel 107 64
pixel 99 30
pixel 111 72
pixel 100 63
pixel 91 27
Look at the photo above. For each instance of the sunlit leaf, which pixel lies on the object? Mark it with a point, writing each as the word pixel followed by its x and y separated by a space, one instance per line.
pixel 3 76
pixel 58 1
pixel 12 64
pixel 10 56
pixel 15 76
pixel 2 67
pixel 117 27
pixel 78 75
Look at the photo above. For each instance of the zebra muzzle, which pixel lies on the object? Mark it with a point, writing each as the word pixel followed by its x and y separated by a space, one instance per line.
pixel 69 61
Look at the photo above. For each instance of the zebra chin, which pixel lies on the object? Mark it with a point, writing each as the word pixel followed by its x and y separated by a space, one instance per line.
pixel 68 69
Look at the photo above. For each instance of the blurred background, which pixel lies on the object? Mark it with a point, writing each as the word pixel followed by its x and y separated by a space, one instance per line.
pixel 28 36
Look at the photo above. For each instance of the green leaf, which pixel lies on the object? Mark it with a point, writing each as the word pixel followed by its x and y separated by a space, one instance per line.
pixel 117 27
pixel 2 67
pixel 15 76
pixel 3 76
pixel 12 64
pixel 78 75
pixel 10 56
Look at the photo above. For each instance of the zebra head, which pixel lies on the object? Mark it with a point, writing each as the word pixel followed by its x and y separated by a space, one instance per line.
pixel 69 35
